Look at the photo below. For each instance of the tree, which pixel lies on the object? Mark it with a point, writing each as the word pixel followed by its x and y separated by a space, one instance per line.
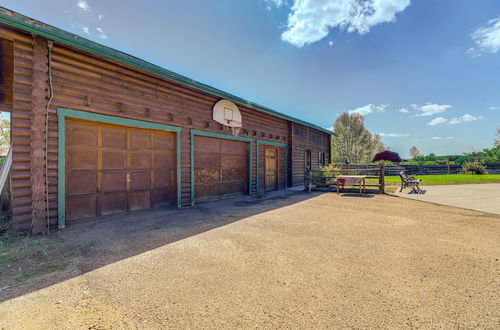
pixel 497 140
pixel 353 141
pixel 414 152
pixel 4 135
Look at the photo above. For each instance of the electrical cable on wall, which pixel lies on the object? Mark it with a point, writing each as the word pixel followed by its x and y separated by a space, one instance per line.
pixel 50 44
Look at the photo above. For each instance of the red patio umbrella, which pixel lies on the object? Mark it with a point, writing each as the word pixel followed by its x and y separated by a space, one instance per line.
pixel 387 155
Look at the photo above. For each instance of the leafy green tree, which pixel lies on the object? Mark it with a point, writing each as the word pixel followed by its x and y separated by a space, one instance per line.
pixel 4 135
pixel 414 152
pixel 353 141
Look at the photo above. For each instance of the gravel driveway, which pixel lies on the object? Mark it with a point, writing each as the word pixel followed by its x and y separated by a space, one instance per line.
pixel 318 260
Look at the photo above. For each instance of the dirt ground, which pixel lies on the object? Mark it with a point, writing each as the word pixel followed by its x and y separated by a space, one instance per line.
pixel 292 260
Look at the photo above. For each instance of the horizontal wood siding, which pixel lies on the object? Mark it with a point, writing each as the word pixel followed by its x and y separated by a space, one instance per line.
pixel 83 82
pixel 21 128
pixel 305 138
pixel 87 82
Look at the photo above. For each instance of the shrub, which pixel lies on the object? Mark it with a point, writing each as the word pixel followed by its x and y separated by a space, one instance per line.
pixel 473 167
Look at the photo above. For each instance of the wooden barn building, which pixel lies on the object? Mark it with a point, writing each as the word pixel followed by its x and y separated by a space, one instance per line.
pixel 95 132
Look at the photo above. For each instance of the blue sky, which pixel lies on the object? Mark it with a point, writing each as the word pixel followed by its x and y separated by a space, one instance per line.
pixel 424 73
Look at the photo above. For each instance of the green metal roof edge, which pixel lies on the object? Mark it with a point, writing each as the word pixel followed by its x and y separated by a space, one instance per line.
pixel 25 23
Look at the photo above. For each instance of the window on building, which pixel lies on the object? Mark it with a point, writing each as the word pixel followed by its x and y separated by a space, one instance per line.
pixel 321 158
pixel 6 73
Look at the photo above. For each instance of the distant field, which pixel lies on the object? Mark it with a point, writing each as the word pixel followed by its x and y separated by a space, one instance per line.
pixel 432 180
pixel 393 182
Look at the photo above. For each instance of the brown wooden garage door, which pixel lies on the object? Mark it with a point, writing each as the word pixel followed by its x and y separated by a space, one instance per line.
pixel 220 168
pixel 116 169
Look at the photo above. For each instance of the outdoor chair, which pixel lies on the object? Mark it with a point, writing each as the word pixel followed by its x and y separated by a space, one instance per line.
pixel 409 182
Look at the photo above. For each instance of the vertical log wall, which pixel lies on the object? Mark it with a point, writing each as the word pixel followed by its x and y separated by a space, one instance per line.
pixel 38 133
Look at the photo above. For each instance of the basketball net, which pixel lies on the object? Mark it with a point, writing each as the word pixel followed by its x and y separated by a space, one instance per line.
pixel 235 126
pixel 235 130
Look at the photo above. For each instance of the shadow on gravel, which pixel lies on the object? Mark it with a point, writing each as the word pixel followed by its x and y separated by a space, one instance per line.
pixel 116 238
pixel 356 195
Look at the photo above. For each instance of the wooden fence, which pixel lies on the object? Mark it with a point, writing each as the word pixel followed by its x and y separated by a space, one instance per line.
pixel 422 169
pixel 328 179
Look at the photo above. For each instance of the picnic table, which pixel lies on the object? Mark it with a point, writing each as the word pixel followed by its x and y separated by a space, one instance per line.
pixel 352 180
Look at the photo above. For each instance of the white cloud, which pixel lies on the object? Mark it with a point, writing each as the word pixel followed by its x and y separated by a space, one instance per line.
pixel 83 5
pixel 330 43
pixel 430 109
pixel 269 4
pixel 404 110
pixel 441 138
pixel 493 108
pixel 311 20
pixel 464 119
pixel 486 38
pixel 100 17
pixel 101 33
pixel 85 29
pixel 437 121
pixel 396 135
pixel 369 108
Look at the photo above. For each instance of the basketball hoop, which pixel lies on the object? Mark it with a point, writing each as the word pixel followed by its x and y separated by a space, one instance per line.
pixel 235 126
pixel 235 130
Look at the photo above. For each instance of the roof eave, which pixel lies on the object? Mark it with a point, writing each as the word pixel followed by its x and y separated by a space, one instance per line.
pixel 25 23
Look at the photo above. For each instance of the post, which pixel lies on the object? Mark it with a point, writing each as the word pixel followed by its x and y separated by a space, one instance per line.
pixel 381 178
pixel 38 135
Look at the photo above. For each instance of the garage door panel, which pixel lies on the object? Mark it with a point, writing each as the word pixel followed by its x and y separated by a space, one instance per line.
pixel 114 137
pixel 206 191
pixel 139 200
pixel 230 188
pixel 233 174
pixel 161 159
pixel 206 176
pixel 140 139
pixel 113 181
pixel 100 157
pixel 140 180
pixel 206 161
pixel 114 159
pixel 163 141
pixel 229 147
pixel 140 160
pixel 113 203
pixel 81 182
pixel 161 197
pixel 81 207
pixel 81 135
pixel 207 145
pixel 220 168
pixel 231 161
pixel 162 179
pixel 81 159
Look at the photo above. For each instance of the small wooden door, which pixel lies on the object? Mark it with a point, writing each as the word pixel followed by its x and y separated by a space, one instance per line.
pixel 271 170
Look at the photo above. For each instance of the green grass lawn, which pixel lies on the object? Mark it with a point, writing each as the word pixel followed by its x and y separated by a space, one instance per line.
pixel 393 182
pixel 431 180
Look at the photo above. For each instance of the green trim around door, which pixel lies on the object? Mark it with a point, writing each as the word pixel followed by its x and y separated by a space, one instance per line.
pixel 62 114
pixel 195 132
pixel 271 143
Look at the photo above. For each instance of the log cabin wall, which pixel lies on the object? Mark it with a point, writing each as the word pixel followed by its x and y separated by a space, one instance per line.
pixel 84 82
pixel 21 121
pixel 88 82
pixel 302 138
